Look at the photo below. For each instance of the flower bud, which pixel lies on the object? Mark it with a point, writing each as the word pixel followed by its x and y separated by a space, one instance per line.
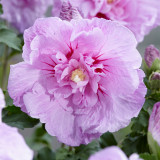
pixel 154 80
pixel 69 12
pixel 154 130
pixel 151 53
pixel 156 76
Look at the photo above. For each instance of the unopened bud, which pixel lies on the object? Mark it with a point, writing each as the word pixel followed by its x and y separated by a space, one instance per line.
pixel 151 53
pixel 69 12
pixel 155 76
pixel 154 80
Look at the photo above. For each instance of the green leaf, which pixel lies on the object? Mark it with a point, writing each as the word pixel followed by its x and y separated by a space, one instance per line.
pixel 154 146
pixel 64 153
pixel 147 156
pixel 15 52
pixel 155 84
pixel 155 95
pixel 107 139
pixel 8 99
pixel 9 38
pixel 146 82
pixel 87 149
pixel 3 25
pixel 14 117
pixel 140 124
pixel 135 143
pixel 155 65
pixel 82 152
pixel 45 154
pixel 40 139
pixel 146 68
pixel 1 9
pixel 148 105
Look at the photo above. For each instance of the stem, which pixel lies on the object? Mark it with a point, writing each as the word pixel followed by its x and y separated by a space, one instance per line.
pixel 62 145
pixel 4 67
pixel 70 149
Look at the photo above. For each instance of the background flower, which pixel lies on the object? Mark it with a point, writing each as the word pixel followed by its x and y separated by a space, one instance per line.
pixel 140 16
pixel 22 14
pixel 110 153
pixel 154 122
pixel 12 144
pixel 79 77
pixel 113 153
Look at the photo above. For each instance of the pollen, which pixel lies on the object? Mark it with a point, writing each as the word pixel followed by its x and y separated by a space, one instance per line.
pixel 77 75
pixel 110 1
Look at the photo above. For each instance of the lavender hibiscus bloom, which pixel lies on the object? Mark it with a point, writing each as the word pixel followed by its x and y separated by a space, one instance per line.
pixel 22 13
pixel 79 78
pixel 140 16
pixel 113 153
pixel 12 144
pixel 154 123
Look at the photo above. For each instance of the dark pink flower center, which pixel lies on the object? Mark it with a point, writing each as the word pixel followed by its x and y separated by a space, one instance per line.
pixel 101 15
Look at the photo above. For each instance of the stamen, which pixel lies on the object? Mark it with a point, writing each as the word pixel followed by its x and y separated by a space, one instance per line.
pixel 110 1
pixel 77 75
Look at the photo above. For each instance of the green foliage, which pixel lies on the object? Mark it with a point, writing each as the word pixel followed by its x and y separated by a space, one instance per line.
pixel 136 141
pixel 40 139
pixel 155 66
pixel 107 139
pixel 147 156
pixel 148 105
pixel 154 146
pixel 146 82
pixel 64 153
pixel 140 124
pixel 155 84
pixel 45 154
pixel 14 117
pixel 1 9
pixel 146 68
pixel 153 94
pixel 8 100
pixel 10 38
pixel 156 95
pixel 82 152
